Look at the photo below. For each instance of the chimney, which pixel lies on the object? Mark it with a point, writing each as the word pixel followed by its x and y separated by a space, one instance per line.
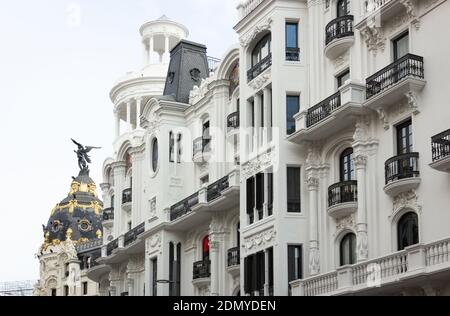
pixel 188 66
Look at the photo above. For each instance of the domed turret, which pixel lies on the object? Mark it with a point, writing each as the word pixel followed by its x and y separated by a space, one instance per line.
pixel 78 217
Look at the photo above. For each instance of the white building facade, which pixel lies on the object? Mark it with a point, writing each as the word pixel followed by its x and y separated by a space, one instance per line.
pixel 312 160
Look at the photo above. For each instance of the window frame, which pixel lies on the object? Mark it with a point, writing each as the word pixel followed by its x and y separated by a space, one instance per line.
pixel 395 43
pixel 351 251
pixel 291 120
pixel 413 235
pixel 289 171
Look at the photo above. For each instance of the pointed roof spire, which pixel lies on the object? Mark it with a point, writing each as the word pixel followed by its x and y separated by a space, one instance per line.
pixel 163 18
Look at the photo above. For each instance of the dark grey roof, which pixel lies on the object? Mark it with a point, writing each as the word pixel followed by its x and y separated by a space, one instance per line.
pixel 188 66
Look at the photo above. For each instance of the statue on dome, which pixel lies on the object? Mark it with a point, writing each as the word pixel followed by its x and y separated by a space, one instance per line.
pixel 82 155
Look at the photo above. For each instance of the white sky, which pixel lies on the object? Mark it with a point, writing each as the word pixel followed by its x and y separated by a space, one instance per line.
pixel 55 78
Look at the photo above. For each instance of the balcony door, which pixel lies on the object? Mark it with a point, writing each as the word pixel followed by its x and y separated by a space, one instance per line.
pixel 343 8
pixel 404 138
pixel 347 166
pixel 401 46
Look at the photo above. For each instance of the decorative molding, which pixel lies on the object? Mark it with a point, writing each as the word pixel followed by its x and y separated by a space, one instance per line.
pixel 361 130
pixel 259 240
pixel 153 208
pixel 258 164
pixel 413 102
pixel 360 161
pixel 199 92
pixel 374 38
pixel 383 118
pixel 247 39
pixel 348 222
pixel 154 243
pixel 314 261
pixel 362 245
pixel 312 183
pixel 405 200
pixel 260 81
pixel 342 60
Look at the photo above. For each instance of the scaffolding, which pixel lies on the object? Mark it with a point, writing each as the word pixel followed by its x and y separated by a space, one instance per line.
pixel 17 288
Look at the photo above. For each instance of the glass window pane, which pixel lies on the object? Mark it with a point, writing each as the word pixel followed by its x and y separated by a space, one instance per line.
pixel 291 35
pixel 293 107
pixel 401 46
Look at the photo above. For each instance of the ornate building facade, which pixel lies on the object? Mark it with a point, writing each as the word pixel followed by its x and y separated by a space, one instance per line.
pixel 313 159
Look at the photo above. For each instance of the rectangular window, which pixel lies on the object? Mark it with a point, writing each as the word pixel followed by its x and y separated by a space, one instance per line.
pixel 85 288
pixel 292 51
pixel 155 276
pixel 171 147
pixel 260 195
pixel 404 138
pixel 248 275
pixel 292 108
pixel 342 78
pixel 293 190
pixel 261 272
pixel 179 138
pixel 295 266
pixel 270 268
pixel 66 290
pixel 250 199
pixel 270 193
pixel 401 46
pixel 53 292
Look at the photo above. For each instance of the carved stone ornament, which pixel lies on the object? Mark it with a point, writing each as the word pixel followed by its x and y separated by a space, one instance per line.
pixel 199 92
pixel 362 245
pixel 260 239
pixel 261 163
pixel 260 81
pixel 346 223
pixel 247 39
pixel 374 38
pixel 407 200
pixel 314 261
pixel 153 208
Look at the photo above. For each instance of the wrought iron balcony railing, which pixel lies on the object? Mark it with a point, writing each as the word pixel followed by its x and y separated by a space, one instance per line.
pixel 259 68
pixel 108 214
pixel 339 28
pixel 402 167
pixel 292 54
pixel 343 192
pixel 201 145
pixel 407 66
pixel 183 207
pixel 201 269
pixel 233 256
pixel 111 246
pixel 233 121
pixel 133 234
pixel 127 196
pixel 324 109
pixel 441 145
pixel 213 63
pixel 215 190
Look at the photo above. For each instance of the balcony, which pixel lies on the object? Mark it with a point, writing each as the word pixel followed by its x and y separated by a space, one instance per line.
pixel 292 54
pixel 382 10
pixel 113 245
pixel 402 174
pixel 342 199
pixel 201 149
pixel 183 207
pixel 215 190
pixel 233 123
pixel 331 115
pixel 131 236
pixel 391 84
pixel 441 151
pixel 213 63
pixel 127 199
pixel 233 261
pixel 259 68
pixel 417 265
pixel 201 273
pixel 108 217
pixel 339 36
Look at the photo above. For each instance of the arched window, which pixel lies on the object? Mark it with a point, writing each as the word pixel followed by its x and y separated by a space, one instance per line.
pixel 155 155
pixel 234 79
pixel 343 8
pixel 262 49
pixel 348 249
pixel 408 230
pixel 347 165
pixel 205 248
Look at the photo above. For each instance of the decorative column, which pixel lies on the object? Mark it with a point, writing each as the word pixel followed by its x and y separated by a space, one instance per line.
pixel 137 158
pixel 166 49
pixel 130 283
pixel 314 255
pixel 215 240
pixel 116 124
pixel 150 49
pixel 257 122
pixel 129 115
pixel 267 115
pixel 362 239
pixel 119 179
pixel 138 112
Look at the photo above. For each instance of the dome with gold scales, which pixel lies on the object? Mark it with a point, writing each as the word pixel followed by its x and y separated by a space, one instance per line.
pixel 78 217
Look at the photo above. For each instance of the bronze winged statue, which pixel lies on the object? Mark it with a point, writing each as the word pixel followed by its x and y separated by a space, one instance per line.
pixel 82 155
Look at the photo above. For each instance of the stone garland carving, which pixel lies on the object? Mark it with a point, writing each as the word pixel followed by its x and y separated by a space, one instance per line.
pixel 346 223
pixel 247 39
pixel 260 81
pixel 407 200
pixel 260 239
pixel 256 165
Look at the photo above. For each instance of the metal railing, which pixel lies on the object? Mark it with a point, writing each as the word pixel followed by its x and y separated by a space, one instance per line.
pixel 215 190
pixel 324 109
pixel 201 269
pixel 233 121
pixel 339 28
pixel 183 207
pixel 402 167
pixel 441 145
pixel 213 63
pixel 292 54
pixel 374 5
pixel 132 235
pixel 407 66
pixel 111 246
pixel 259 68
pixel 108 214
pixel 343 192
pixel 201 145
pixel 127 196
pixel 233 257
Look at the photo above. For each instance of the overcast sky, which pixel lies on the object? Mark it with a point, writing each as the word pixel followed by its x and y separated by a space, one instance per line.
pixel 56 72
